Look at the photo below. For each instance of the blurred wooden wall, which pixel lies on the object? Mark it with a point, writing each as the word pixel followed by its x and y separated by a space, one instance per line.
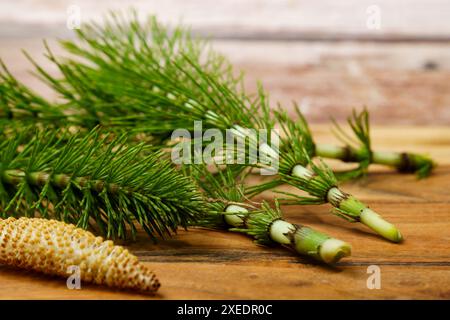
pixel 329 56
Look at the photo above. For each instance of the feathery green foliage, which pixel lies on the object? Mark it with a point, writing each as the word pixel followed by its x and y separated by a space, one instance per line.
pixel 164 82
pixel 359 149
pixel 95 180
pixel 317 187
pixel 20 106
pixel 259 221
pixel 221 187
pixel 146 78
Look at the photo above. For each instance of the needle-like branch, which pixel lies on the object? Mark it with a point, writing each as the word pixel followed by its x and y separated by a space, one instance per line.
pixel 95 180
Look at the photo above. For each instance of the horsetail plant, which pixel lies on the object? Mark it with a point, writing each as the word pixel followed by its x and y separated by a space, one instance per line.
pixel 147 79
pixel 95 180
pixel 358 148
pixel 53 247
pixel 230 210
pixel 318 180
pixel 128 75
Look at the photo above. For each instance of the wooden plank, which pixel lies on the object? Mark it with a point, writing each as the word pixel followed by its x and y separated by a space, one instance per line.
pixel 266 281
pixel 289 19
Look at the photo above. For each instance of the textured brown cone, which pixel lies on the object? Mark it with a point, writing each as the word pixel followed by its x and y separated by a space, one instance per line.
pixel 51 247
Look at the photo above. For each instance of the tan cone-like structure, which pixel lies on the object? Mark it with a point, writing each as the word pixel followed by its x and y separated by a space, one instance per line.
pixel 51 247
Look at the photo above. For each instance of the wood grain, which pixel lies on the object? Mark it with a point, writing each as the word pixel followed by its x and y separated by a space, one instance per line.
pixel 205 264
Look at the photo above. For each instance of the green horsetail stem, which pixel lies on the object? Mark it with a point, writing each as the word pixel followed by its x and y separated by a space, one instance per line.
pixel 301 239
pixel 403 161
pixel 15 176
pixel 352 209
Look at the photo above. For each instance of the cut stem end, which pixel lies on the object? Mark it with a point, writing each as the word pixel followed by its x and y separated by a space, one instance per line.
pixel 333 250
pixel 375 222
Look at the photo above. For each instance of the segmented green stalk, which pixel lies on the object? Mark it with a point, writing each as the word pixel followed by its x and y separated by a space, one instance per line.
pixel 54 247
pixel 324 189
pixel 319 182
pixel 228 210
pixel 403 161
pixel 358 148
pixel 268 227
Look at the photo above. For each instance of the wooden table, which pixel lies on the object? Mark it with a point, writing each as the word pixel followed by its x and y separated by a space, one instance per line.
pixel 203 264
